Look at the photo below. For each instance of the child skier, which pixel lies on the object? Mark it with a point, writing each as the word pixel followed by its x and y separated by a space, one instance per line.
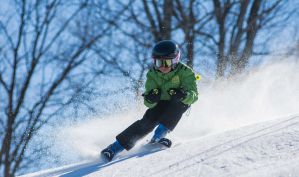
pixel 170 89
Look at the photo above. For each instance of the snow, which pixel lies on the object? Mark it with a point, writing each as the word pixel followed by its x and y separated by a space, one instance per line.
pixel 247 127
pixel 268 149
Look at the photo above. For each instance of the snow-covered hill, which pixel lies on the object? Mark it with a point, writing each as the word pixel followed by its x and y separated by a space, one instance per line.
pixel 238 128
pixel 268 149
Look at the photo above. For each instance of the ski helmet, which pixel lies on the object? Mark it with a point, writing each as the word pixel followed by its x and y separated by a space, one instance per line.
pixel 166 53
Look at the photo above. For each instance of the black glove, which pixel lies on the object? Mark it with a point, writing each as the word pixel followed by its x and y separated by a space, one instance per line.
pixel 177 94
pixel 153 96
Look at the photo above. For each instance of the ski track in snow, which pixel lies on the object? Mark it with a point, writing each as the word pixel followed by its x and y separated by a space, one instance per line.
pixel 264 149
pixel 219 149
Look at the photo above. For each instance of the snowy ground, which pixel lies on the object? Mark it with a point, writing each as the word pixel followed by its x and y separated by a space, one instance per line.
pixel 268 149
pixel 238 128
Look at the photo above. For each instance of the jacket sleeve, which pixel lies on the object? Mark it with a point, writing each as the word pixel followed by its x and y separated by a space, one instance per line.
pixel 188 83
pixel 150 84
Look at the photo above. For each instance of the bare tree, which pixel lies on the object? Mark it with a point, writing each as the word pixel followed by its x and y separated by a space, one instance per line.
pixel 41 72
pixel 238 23
pixel 192 17
pixel 124 57
pixel 159 16
pixel 154 19
pixel 143 24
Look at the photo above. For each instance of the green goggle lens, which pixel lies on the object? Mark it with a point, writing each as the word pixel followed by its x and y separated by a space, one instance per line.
pixel 164 63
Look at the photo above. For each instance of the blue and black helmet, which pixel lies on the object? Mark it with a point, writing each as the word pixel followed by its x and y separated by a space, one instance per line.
pixel 166 53
pixel 166 49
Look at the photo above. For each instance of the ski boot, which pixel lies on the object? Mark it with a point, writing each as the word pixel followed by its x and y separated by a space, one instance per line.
pixel 109 153
pixel 159 136
pixel 165 142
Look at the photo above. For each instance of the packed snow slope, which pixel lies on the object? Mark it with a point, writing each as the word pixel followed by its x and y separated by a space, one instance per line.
pixel 268 149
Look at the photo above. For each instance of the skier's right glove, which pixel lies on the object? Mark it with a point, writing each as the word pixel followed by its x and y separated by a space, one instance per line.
pixel 153 96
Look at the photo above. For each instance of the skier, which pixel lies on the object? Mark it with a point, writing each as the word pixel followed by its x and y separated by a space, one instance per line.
pixel 170 89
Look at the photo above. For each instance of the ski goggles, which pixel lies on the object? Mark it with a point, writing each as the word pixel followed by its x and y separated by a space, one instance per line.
pixel 166 62
pixel 163 63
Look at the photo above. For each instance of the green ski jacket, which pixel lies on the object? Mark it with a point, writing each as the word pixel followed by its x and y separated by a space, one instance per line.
pixel 181 77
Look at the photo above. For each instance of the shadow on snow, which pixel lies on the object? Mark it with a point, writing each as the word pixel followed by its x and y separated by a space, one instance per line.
pixel 99 165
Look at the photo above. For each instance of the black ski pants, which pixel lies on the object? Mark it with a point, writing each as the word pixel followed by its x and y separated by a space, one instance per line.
pixel 166 112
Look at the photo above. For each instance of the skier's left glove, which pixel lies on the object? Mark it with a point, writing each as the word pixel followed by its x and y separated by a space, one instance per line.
pixel 177 94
